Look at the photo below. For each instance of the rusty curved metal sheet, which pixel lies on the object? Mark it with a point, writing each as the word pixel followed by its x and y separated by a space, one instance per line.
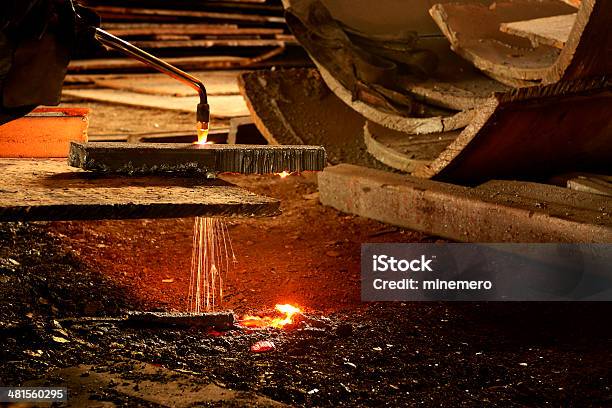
pixel 473 30
pixel 532 132
pixel 398 80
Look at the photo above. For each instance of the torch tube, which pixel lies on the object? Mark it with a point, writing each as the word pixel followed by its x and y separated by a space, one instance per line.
pixel 203 110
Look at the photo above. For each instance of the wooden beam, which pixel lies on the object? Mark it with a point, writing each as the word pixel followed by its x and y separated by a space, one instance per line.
pixel 159 158
pixel 128 11
pixel 49 190
pixel 587 182
pixel 553 31
pixel 221 106
pixel 130 30
pixel 502 212
pixel 216 42
pixel 187 63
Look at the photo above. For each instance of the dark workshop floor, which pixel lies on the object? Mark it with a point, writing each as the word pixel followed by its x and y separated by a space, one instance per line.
pixel 362 355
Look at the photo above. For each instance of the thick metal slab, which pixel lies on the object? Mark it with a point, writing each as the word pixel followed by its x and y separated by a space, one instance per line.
pixel 49 190
pixel 159 158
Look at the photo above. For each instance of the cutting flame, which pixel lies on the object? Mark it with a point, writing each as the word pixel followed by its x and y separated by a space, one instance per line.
pixel 289 311
pixel 283 174
pixel 202 129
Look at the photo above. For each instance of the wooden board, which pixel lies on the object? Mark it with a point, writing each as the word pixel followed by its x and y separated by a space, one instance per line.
pixel 144 29
pixel 504 212
pixel 186 63
pixel 217 42
pixel 216 82
pixel 48 189
pixel 221 106
pixel 587 182
pixel 160 158
pixel 532 132
pixel 473 30
pixel 553 31
pixel 212 15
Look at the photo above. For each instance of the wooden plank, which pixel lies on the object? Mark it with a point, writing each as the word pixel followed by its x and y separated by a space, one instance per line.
pixel 186 63
pixel 532 132
pixel 130 30
pixel 49 190
pixel 587 182
pixel 553 31
pixel 218 42
pixel 201 62
pixel 217 83
pixel 593 185
pixel 467 214
pixel 221 106
pixel 159 158
pixel 129 12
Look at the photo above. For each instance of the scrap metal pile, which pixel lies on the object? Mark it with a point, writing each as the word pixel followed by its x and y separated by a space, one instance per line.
pixel 464 93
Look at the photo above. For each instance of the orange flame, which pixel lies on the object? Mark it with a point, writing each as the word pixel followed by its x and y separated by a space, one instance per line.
pixel 289 312
pixel 283 174
pixel 202 129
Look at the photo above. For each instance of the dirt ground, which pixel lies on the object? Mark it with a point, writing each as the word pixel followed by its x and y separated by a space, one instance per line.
pixel 308 255
pixel 346 353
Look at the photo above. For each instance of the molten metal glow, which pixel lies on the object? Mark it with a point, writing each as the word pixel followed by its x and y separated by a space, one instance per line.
pixel 283 174
pixel 289 311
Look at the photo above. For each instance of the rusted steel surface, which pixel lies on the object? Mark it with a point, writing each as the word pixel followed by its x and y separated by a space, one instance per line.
pixel 47 189
pixel 402 151
pixel 496 212
pixel 531 132
pixel 159 158
pixel 296 107
pixel 46 132
pixel 474 33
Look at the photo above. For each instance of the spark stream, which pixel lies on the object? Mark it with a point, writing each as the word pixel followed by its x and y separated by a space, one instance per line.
pixel 411 284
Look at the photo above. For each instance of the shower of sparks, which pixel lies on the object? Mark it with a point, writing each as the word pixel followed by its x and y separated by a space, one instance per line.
pixel 210 261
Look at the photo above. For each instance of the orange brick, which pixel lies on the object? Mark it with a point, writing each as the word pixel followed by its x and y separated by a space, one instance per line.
pixel 46 132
